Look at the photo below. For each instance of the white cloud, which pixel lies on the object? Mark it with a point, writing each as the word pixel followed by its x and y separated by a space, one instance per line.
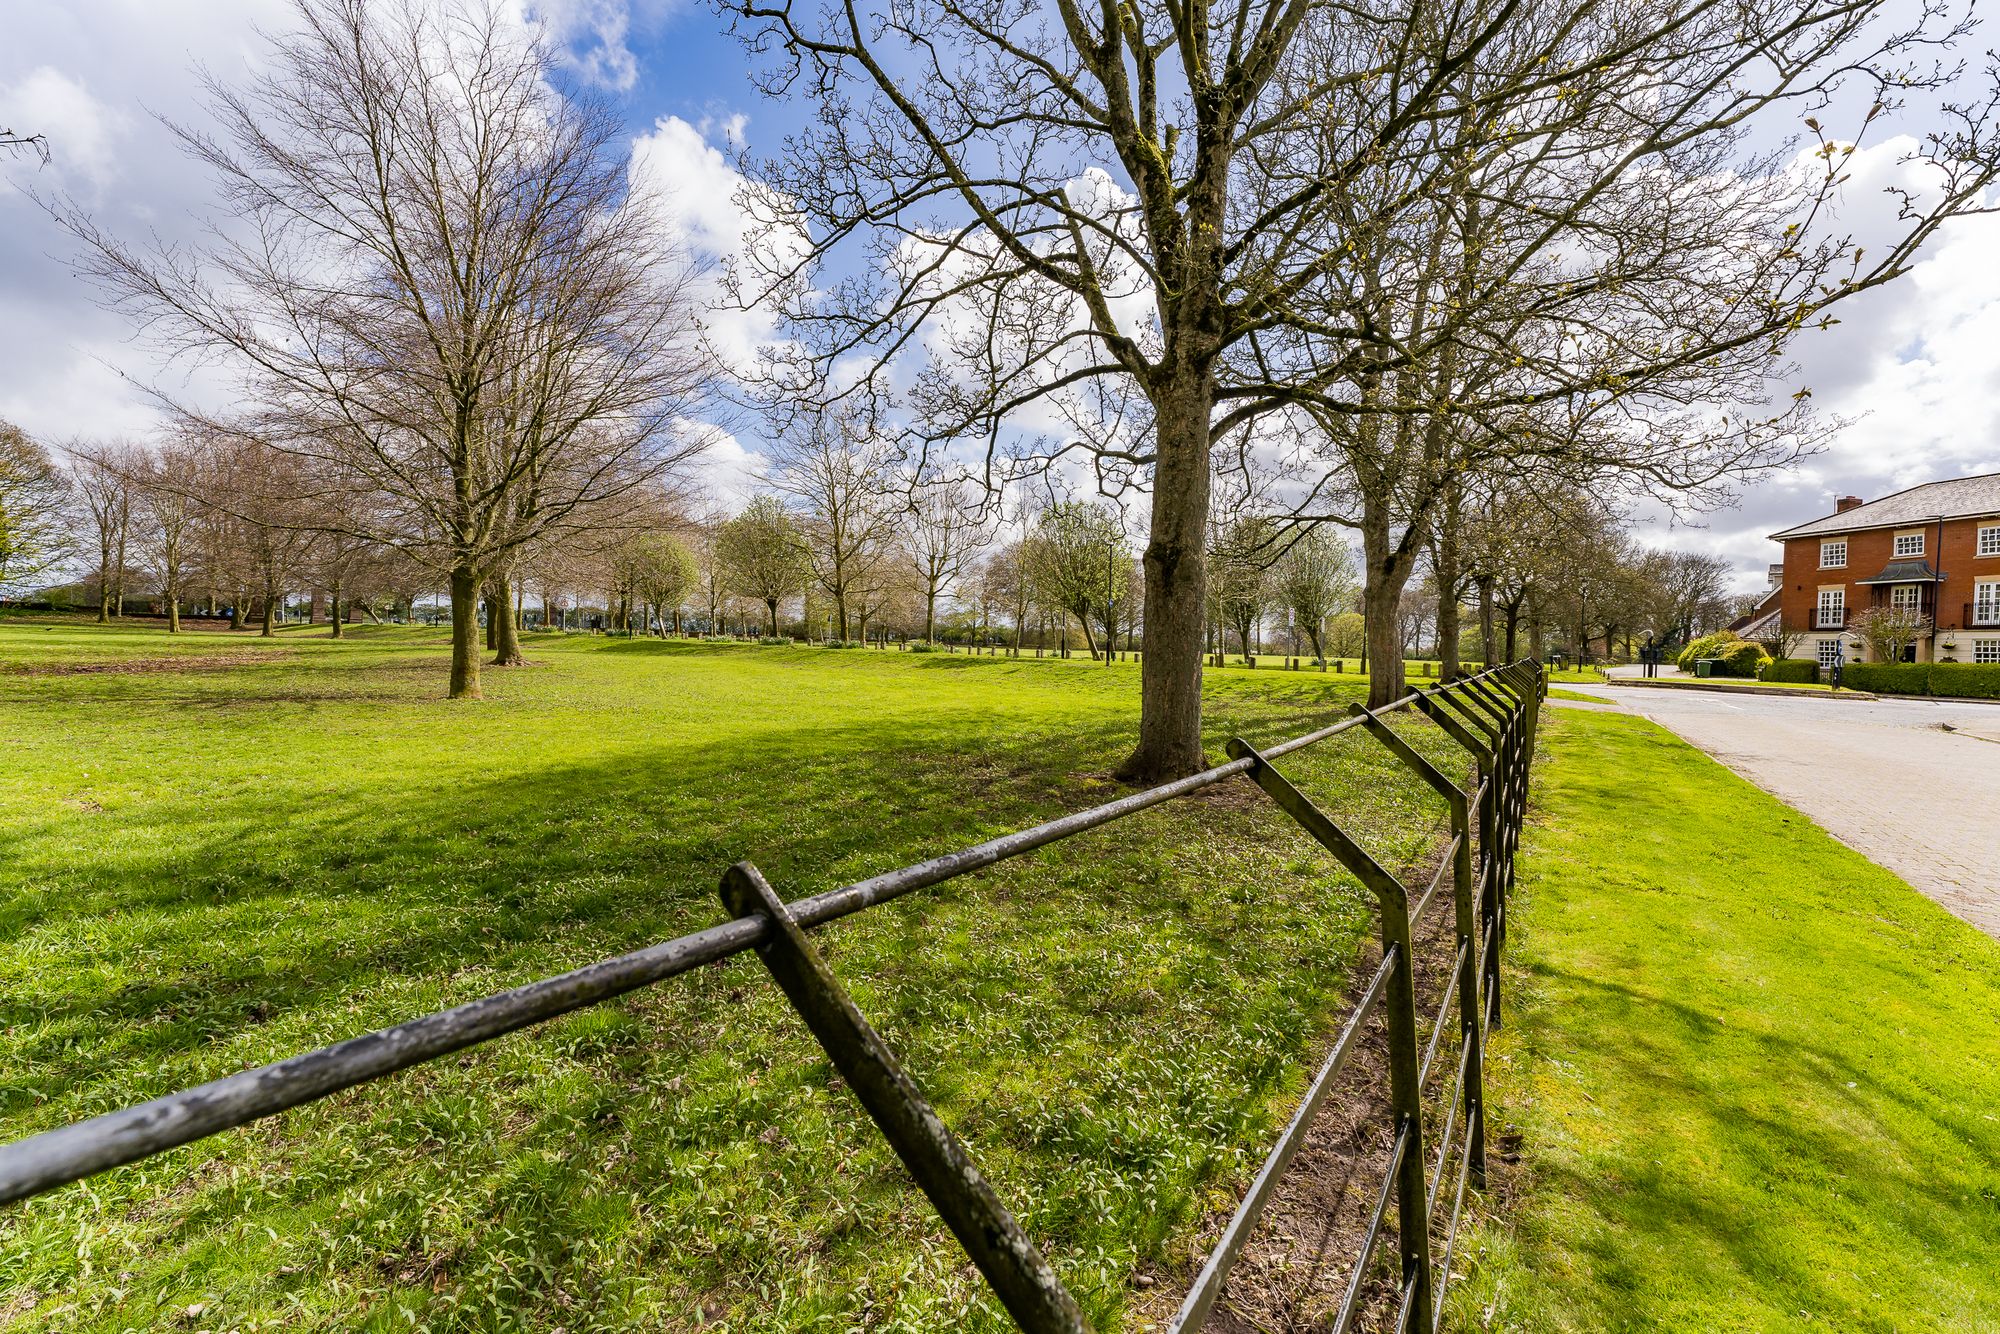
pixel 83 132
pixel 594 36
pixel 1913 363
pixel 90 74
pixel 699 198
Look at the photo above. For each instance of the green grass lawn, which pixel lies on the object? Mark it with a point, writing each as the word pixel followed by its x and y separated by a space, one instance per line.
pixel 217 850
pixel 1756 1078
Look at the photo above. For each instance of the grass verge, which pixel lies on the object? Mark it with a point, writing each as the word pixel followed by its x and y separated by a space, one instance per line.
pixel 1756 1077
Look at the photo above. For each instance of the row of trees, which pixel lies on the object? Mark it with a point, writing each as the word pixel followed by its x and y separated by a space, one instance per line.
pixel 1405 271
pixel 1420 259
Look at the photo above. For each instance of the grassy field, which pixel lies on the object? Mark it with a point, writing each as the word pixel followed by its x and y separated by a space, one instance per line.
pixel 1756 1078
pixel 219 850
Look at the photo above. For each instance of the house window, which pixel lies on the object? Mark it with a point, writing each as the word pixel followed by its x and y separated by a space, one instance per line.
pixel 1986 602
pixel 1833 608
pixel 1989 540
pixel 1986 650
pixel 1829 653
pixel 1833 555
pixel 1909 544
pixel 1907 597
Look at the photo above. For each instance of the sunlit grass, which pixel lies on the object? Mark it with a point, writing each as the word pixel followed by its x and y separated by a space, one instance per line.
pixel 218 850
pixel 1756 1078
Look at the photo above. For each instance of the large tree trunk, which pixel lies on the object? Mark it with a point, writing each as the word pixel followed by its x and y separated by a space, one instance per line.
pixel 1089 640
pixel 930 615
pixel 772 605
pixel 336 613
pixel 1176 588
pixel 1449 576
pixel 173 592
pixel 1388 572
pixel 500 622
pixel 464 632
pixel 270 615
pixel 1485 620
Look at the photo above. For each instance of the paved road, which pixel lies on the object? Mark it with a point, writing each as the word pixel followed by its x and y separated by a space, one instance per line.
pixel 1883 776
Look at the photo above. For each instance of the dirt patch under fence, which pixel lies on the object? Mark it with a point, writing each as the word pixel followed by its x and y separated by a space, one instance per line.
pixel 1293 1272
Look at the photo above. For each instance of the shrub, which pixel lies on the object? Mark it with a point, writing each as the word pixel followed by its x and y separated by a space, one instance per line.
pixel 922 646
pixel 1965 680
pixel 1718 645
pixel 773 641
pixel 845 643
pixel 1791 670
pixel 1744 658
pixel 1889 678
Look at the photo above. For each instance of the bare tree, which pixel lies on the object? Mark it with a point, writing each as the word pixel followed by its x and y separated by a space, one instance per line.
pixel 1240 580
pixel 1890 630
pixel 834 467
pixel 1170 222
pixel 105 488
pixel 170 477
pixel 943 532
pixel 446 295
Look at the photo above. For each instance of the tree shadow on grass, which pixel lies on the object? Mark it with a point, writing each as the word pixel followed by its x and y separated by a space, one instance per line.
pixel 1108 1023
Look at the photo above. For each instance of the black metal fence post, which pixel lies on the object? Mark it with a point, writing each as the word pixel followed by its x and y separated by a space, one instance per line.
pixel 1005 1254
pixel 1399 1013
pixel 1466 919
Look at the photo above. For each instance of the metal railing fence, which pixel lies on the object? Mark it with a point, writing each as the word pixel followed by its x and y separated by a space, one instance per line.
pixel 1492 715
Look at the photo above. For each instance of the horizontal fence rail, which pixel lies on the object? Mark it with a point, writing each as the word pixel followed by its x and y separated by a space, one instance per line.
pixel 1491 714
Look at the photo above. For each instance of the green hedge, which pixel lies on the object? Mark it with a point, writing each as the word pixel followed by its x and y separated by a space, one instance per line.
pixel 1792 670
pixel 1965 680
pixel 1891 678
pixel 1947 680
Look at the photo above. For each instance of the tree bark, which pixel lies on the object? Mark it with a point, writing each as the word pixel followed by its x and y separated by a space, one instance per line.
pixel 173 593
pixel 1388 572
pixel 1170 669
pixel 464 632
pixel 1485 584
pixel 500 624
pixel 336 613
pixel 270 616
pixel 772 605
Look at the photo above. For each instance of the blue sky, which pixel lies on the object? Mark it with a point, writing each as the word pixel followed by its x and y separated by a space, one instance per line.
pixel 1913 366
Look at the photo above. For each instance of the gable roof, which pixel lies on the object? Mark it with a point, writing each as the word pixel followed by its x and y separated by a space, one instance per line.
pixel 1955 498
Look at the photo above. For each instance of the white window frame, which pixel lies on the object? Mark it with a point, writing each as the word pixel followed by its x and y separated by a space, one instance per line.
pixel 1834 600
pixel 1827 652
pixel 1902 551
pixel 1906 596
pixel 1986 649
pixel 1989 540
pixel 1986 602
pixel 1827 547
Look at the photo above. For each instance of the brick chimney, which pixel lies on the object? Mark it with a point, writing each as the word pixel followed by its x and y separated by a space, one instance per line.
pixel 1846 503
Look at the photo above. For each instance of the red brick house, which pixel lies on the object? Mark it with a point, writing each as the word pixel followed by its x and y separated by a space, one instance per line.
pixel 1934 548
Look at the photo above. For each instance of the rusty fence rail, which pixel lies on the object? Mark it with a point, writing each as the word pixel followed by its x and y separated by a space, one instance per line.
pixel 1492 715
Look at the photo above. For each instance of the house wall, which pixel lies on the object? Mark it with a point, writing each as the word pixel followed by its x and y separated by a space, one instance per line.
pixel 1867 552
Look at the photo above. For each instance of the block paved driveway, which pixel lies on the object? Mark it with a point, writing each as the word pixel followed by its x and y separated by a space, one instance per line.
pixel 1882 776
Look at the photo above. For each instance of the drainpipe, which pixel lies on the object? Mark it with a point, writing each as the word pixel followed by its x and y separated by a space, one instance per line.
pixel 1937 588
